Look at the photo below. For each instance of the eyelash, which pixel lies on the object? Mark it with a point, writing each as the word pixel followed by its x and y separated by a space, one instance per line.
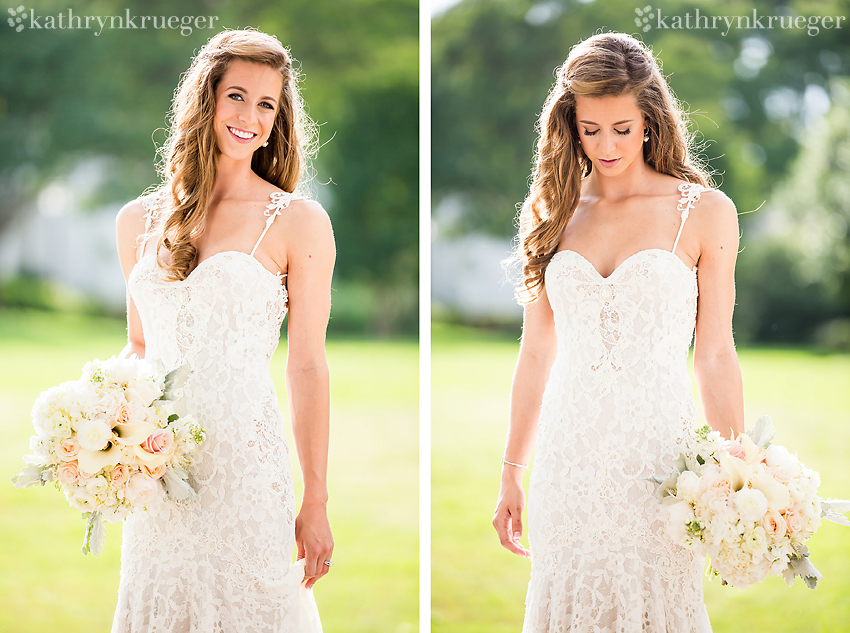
pixel 588 133
pixel 265 103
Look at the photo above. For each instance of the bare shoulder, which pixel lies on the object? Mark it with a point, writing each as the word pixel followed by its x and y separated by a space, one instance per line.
pixel 717 221
pixel 306 222
pixel 130 222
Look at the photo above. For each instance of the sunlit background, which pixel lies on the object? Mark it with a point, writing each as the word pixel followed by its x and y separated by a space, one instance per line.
pixel 771 110
pixel 81 115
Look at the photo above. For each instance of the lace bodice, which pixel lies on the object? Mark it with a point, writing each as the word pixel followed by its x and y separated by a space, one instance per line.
pixel 617 408
pixel 220 563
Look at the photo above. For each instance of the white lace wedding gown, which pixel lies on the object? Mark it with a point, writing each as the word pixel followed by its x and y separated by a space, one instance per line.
pixel 618 407
pixel 221 563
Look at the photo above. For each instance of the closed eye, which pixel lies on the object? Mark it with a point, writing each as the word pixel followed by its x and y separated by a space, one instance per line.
pixel 623 133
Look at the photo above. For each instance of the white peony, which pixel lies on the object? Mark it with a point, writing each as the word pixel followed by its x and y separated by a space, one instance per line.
pixel 94 435
pixel 54 424
pixel 147 390
pixel 687 485
pixel 751 504
pixel 679 514
pixel 779 457
pixel 143 491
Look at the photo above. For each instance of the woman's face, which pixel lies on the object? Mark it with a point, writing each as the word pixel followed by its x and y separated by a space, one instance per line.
pixel 611 131
pixel 246 104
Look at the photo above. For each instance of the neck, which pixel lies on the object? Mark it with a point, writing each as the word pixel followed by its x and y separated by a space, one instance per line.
pixel 632 181
pixel 232 179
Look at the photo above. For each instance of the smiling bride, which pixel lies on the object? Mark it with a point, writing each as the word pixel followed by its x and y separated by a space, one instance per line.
pixel 214 258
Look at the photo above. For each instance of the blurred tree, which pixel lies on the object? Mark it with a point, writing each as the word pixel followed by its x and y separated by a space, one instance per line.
pixel 66 95
pixel 795 274
pixel 750 92
pixel 754 96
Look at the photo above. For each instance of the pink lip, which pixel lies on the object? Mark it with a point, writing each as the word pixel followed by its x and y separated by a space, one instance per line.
pixel 609 163
pixel 230 129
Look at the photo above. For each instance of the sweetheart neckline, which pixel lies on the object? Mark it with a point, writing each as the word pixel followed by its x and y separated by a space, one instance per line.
pixel 623 263
pixel 276 276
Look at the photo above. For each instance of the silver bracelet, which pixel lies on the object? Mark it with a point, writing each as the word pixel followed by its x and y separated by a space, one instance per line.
pixel 504 461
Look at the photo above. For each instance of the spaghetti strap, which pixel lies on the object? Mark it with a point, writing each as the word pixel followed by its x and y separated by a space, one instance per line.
pixel 690 195
pixel 149 204
pixel 280 201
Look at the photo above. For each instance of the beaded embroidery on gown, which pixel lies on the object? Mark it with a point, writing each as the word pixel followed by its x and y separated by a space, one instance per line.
pixel 221 563
pixel 617 408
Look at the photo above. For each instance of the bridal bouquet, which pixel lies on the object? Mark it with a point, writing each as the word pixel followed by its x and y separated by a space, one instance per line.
pixel 112 442
pixel 748 505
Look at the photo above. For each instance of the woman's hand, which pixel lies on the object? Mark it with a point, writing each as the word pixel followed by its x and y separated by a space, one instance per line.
pixel 508 516
pixel 314 540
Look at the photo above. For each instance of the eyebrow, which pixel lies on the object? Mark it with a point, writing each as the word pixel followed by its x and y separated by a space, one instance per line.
pixel 617 123
pixel 246 92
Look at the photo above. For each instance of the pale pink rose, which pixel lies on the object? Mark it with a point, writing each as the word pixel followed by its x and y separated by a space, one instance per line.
pixel 734 448
pixel 68 473
pixel 155 473
pixel 781 475
pixel 120 475
pixel 795 521
pixel 774 524
pixel 721 483
pixel 122 414
pixel 68 449
pixel 160 442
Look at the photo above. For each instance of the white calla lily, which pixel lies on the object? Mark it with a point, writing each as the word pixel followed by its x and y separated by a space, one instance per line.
pixel 751 450
pixel 133 433
pixel 777 495
pixel 739 472
pixel 92 462
pixel 151 460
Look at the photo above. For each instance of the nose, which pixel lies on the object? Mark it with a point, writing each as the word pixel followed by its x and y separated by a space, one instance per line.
pixel 246 115
pixel 609 144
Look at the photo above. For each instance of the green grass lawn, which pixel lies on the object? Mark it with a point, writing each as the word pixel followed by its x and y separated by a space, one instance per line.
pixel 46 584
pixel 479 587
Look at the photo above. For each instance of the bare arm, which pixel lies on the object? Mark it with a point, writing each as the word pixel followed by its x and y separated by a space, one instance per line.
pixel 310 256
pixel 129 225
pixel 536 355
pixel 716 367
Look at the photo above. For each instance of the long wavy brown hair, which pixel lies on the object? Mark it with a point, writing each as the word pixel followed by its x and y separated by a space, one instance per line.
pixel 607 64
pixel 188 165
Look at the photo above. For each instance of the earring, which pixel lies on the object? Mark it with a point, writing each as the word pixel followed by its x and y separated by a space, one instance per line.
pixel 645 135
pixel 266 144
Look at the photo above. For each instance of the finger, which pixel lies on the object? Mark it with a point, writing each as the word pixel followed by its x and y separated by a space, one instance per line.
pixel 516 521
pixel 313 566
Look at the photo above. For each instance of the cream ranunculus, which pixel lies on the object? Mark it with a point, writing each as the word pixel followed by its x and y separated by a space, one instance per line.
pixel 755 543
pixel 82 500
pixel 94 435
pixel 97 485
pixel 751 504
